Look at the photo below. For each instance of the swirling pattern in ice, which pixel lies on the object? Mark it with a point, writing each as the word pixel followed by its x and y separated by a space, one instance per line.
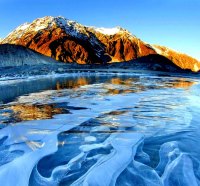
pixel 140 134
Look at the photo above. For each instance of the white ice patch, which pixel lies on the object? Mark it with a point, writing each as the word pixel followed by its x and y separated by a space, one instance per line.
pixel 125 146
pixel 90 139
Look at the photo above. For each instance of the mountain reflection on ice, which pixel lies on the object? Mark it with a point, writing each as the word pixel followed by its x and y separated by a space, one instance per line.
pixel 102 130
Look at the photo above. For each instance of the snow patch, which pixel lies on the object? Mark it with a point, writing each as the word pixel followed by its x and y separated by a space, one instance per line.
pixel 156 49
pixel 23 26
pixel 108 31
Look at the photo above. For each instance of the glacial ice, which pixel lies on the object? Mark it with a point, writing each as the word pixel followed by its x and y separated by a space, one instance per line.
pixel 118 139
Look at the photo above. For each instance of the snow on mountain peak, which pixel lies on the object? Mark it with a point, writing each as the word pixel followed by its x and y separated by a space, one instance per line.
pixel 35 26
pixel 23 26
pixel 45 23
pixel 71 27
pixel 110 31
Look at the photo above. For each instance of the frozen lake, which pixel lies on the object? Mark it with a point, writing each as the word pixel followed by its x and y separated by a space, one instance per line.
pixel 100 130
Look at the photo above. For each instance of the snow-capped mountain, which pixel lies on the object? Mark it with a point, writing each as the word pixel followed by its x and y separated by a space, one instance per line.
pixel 59 38
pixel 69 41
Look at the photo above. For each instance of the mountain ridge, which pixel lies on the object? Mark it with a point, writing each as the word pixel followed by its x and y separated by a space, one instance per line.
pixel 69 41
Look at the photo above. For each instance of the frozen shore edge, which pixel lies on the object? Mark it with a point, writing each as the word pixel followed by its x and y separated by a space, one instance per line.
pixel 22 72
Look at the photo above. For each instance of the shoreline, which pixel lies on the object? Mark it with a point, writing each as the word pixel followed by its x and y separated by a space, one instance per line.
pixel 21 72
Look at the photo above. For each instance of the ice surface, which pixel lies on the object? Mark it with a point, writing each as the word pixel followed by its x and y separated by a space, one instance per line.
pixel 139 134
pixel 125 146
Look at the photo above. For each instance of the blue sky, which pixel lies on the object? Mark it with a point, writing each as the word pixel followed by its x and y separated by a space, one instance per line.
pixel 172 23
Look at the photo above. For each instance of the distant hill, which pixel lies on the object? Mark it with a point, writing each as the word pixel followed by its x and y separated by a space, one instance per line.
pixel 13 55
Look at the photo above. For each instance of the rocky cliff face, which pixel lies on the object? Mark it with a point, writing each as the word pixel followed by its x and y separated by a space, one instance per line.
pixel 121 45
pixel 182 60
pixel 69 41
